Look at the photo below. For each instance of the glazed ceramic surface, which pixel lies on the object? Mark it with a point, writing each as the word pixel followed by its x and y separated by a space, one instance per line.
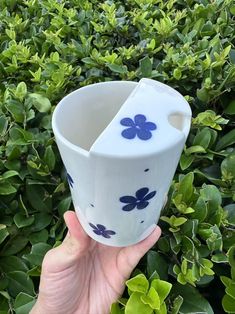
pixel 121 142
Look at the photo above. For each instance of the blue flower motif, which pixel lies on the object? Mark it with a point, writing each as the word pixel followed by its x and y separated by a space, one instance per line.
pixel 70 180
pixel 140 200
pixel 139 127
pixel 102 231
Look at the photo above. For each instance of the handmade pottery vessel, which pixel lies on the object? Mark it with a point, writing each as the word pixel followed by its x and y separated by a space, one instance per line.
pixel 121 142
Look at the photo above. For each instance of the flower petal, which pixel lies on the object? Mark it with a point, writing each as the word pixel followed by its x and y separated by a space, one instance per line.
pixel 127 122
pixel 142 205
pixel 106 235
pixel 129 133
pixel 127 199
pixel 149 196
pixel 111 232
pixel 128 207
pixel 139 119
pixel 144 134
pixel 141 193
pixel 101 227
pixel 149 126
pixel 69 178
pixel 92 226
pixel 98 232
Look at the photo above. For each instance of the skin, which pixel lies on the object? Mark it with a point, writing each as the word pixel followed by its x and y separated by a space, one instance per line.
pixel 82 276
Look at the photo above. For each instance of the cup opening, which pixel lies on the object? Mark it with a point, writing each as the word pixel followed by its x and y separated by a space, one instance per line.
pixel 82 115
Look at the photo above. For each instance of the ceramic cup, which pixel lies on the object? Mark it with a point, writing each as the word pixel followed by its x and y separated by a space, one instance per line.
pixel 120 142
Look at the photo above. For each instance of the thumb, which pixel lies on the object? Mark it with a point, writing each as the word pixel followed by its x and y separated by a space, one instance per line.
pixel 72 248
pixel 130 256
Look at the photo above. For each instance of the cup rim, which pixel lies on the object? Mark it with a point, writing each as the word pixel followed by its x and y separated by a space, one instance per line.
pixel 60 103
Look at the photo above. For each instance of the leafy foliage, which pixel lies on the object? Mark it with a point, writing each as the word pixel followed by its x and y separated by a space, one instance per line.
pixel 49 48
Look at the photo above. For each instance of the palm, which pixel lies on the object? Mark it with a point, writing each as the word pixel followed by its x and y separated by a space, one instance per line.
pixel 92 277
pixel 105 278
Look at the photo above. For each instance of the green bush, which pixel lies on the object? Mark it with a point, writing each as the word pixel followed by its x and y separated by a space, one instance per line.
pixel 49 48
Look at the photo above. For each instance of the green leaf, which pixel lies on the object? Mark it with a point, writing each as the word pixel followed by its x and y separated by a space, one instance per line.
pixel 20 282
pixel 117 68
pixel 230 211
pixel 3 233
pixel 227 140
pixel 195 149
pixel 186 161
pixel 22 221
pixel 41 221
pixel 231 108
pixel 115 309
pixel 212 196
pixel 38 197
pixel 174 221
pixel 152 299
pixel 215 241
pixel 178 301
pixel 202 138
pixel 16 109
pixel 21 91
pixel 202 94
pixel 135 305
pixel 3 125
pixel 193 302
pixel 35 271
pixel 156 262
pixel 228 166
pixel 138 283
pixel 226 281
pixel 12 263
pixel 40 102
pixel 5 294
pixel 6 188
pixel 9 174
pixel 219 258
pixel 162 287
pixel 231 290
pixel 232 9
pixel 40 236
pixel 37 253
pixel 228 304
pixel 14 245
pixel 64 205
pixel 177 73
pixel 231 256
pixel 49 158
pixel 4 306
pixel 146 67
pixel 200 210
pixel 23 303
pixel 185 187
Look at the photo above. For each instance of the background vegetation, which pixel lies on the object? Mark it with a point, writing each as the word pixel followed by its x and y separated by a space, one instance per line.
pixel 49 48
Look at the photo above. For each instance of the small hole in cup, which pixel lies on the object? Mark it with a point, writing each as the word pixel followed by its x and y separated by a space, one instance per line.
pixel 92 205
pixel 146 170
pixel 142 221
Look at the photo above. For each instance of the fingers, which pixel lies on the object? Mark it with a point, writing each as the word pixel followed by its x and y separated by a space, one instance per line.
pixel 72 248
pixel 74 226
pixel 130 256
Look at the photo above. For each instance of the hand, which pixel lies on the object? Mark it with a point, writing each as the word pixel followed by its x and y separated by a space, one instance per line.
pixel 82 276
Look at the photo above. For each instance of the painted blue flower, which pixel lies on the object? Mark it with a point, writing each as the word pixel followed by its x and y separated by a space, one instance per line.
pixel 70 180
pixel 101 230
pixel 140 200
pixel 139 127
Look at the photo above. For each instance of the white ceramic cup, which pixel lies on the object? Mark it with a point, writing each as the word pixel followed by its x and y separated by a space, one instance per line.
pixel 120 143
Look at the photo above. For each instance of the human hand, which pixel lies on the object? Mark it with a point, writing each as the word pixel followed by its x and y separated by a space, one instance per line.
pixel 82 276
